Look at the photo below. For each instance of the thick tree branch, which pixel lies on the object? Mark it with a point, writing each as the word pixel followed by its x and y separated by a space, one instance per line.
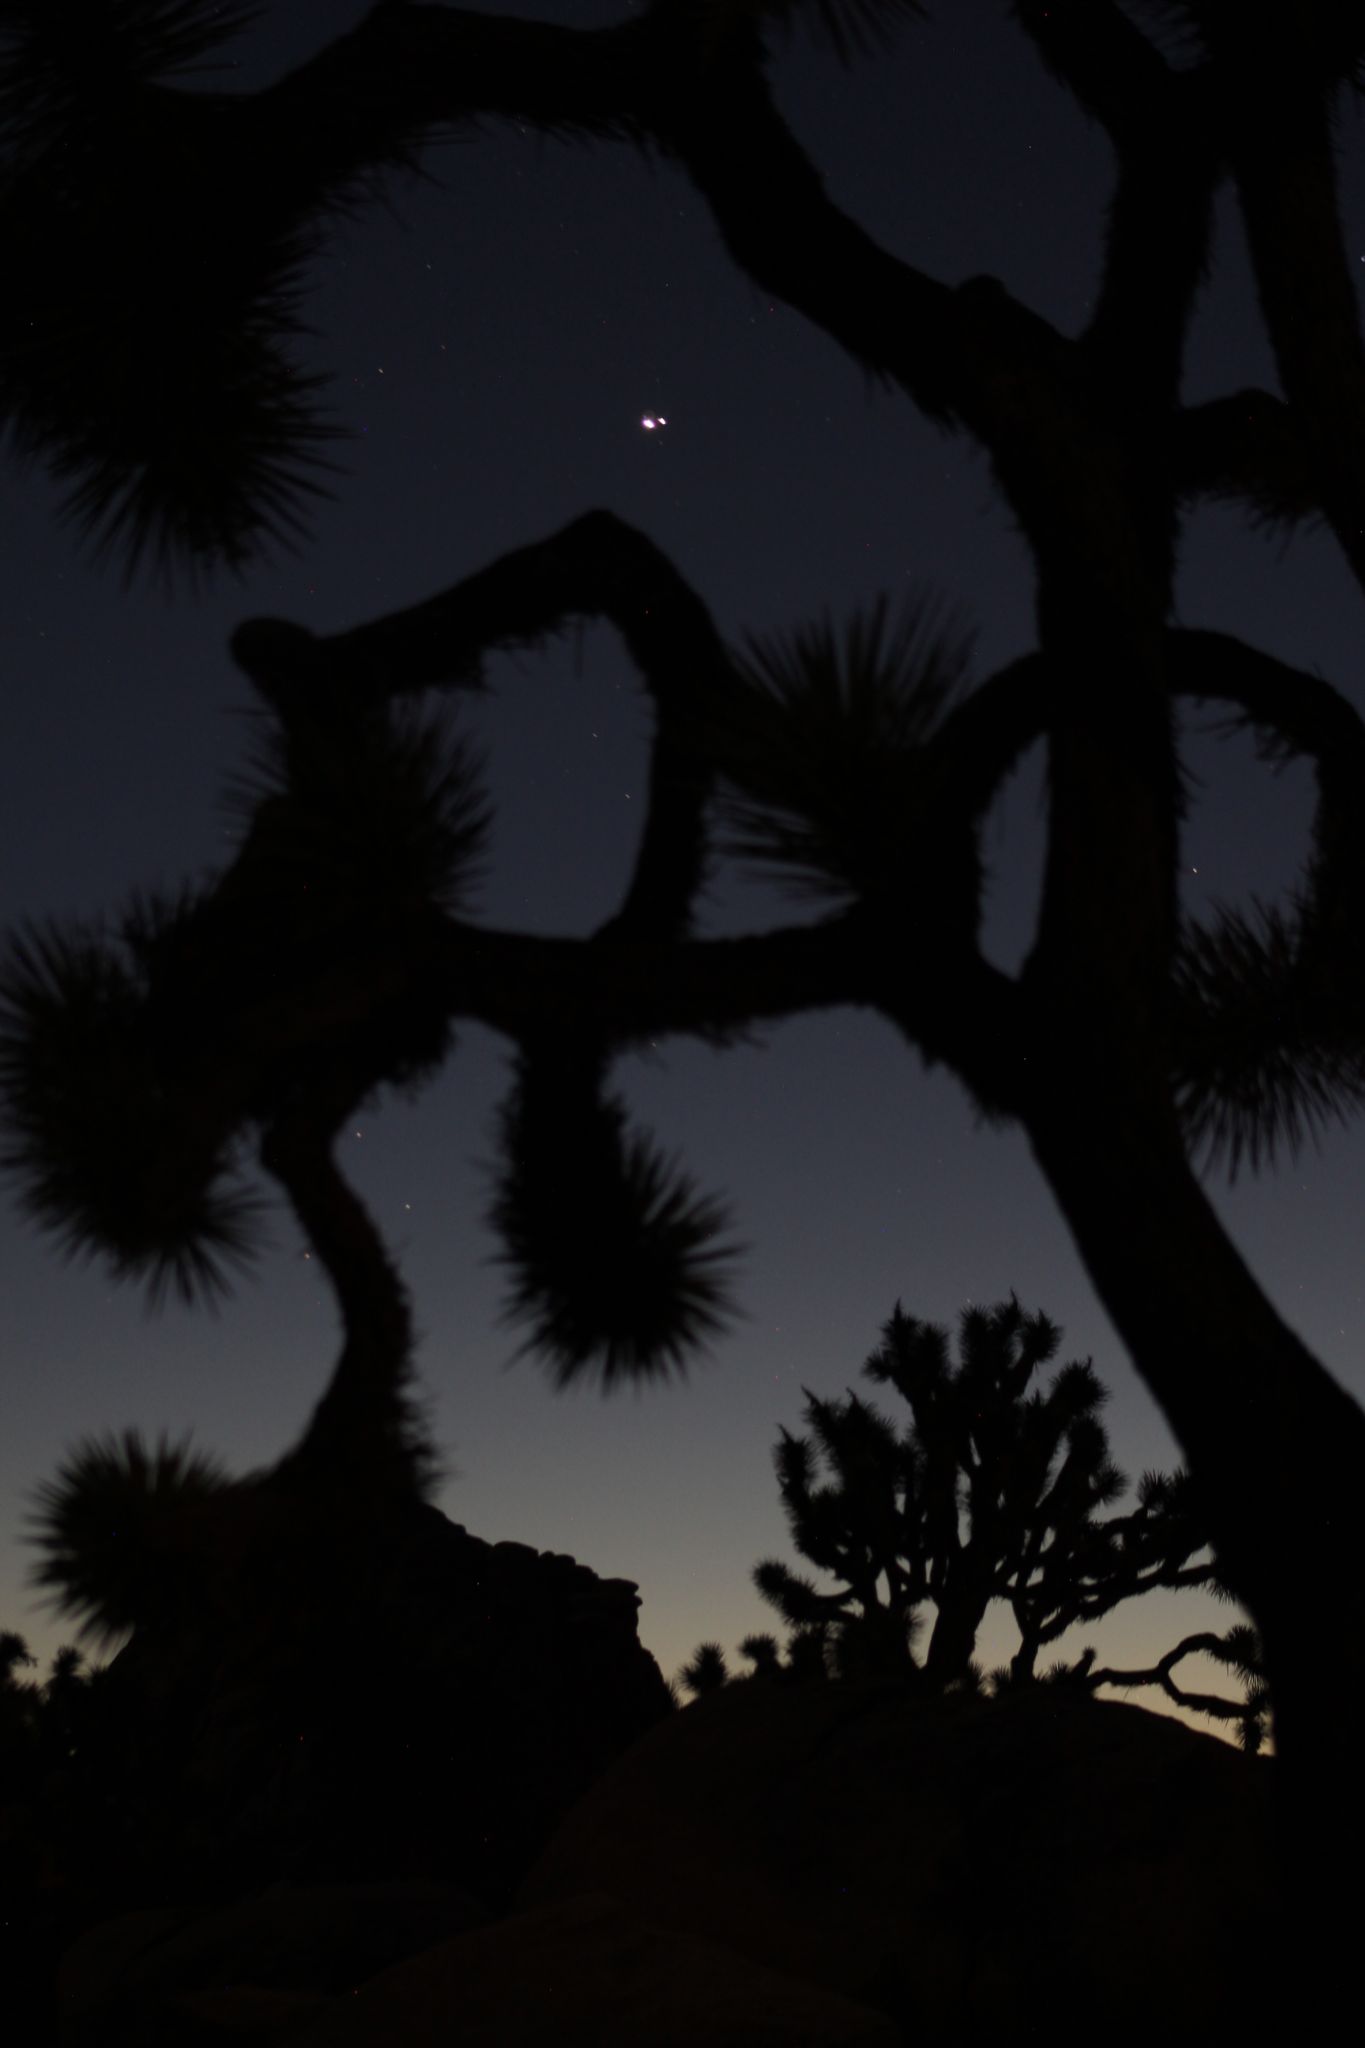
pixel 1284 163
pixel 1159 123
pixel 719 119
pixel 599 566
pixel 1106 63
pixel 1162 1672
pixel 410 70
pixel 367 1403
pixel 596 567
pixel 691 81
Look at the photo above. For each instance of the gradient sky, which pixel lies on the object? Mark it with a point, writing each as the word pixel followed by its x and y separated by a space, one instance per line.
pixel 494 338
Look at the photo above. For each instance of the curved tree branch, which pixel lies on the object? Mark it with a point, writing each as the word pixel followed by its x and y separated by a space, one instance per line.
pixel 365 1435
pixel 596 567
pixel 1160 123
pixel 1161 1673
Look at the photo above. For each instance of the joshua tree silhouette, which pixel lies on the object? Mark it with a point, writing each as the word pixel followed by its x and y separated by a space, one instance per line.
pixel 1129 1037
pixel 989 1494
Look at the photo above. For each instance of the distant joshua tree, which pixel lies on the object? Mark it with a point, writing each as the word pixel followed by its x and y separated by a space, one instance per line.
pixel 990 1494
pixel 42 1721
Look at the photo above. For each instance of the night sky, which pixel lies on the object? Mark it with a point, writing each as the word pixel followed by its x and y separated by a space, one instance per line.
pixel 495 337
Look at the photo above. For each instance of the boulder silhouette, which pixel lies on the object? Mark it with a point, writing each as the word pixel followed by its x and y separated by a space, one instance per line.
pixel 407 1702
pixel 956 1862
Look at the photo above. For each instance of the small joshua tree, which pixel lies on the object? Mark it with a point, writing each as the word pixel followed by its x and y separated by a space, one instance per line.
pixel 990 1494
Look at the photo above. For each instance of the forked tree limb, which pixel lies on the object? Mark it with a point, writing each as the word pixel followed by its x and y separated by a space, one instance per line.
pixel 1162 1673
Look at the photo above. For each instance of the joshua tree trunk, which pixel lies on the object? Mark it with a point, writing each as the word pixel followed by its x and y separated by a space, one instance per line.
pixel 1024 1661
pixel 363 1439
pixel 1246 1400
pixel 962 1604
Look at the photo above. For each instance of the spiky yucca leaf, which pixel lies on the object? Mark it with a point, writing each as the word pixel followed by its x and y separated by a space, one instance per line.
pixel 1061 1673
pixel 387 816
pixel 619 1265
pixel 794 1596
pixel 1006 1342
pixel 101 1147
pixel 912 1357
pixel 150 309
pixel 55 43
pixel 1077 1391
pixel 1252 1729
pixel 819 745
pixel 185 435
pixel 794 1458
pixel 114 1530
pixel 707 1671
pixel 1242 1651
pixel 1258 1072
pixel 808 1653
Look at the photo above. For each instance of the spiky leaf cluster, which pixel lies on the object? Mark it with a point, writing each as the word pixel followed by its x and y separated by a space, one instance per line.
pixel 706 1672
pixel 1258 1070
pixel 822 741
pixel 377 815
pixel 114 1532
pixel 795 1597
pixel 355 840
pixel 764 1655
pixel 1243 1652
pixel 64 48
pixel 121 1137
pixel 809 1656
pixel 188 433
pixel 104 1149
pixel 872 1464
pixel 1168 1523
pixel 618 1264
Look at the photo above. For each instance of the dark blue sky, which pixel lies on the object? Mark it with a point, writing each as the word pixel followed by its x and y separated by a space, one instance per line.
pixel 494 340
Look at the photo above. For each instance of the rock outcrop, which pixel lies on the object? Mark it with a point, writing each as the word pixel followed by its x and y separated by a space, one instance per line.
pixel 817 1866
pixel 963 1865
pixel 426 1708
